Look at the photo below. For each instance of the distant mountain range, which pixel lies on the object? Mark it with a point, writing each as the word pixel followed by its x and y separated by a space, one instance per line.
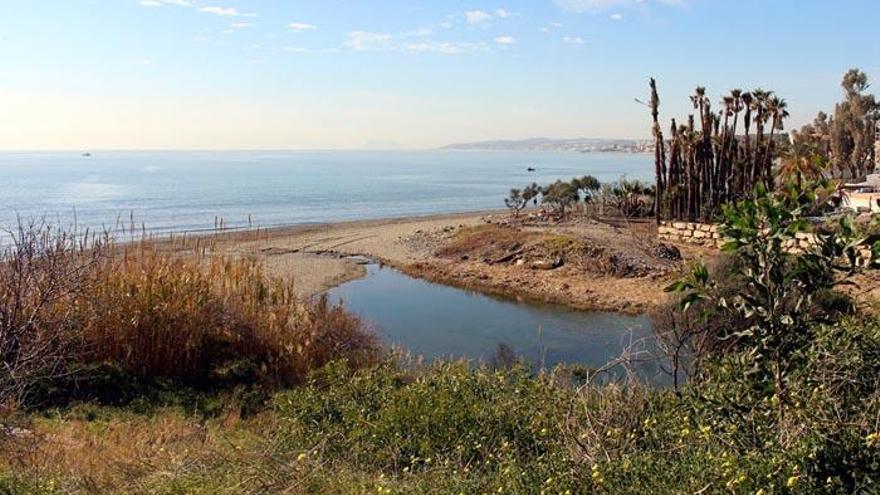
pixel 585 145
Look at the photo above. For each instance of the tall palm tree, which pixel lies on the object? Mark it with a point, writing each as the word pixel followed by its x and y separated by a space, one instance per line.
pixel 777 108
pixel 659 151
pixel 747 100
pixel 759 109
pixel 736 175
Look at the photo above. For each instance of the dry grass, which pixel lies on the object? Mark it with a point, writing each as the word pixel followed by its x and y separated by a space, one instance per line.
pixel 160 314
pixel 155 309
pixel 484 239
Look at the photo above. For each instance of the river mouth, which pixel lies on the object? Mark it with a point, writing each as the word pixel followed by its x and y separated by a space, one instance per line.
pixel 439 322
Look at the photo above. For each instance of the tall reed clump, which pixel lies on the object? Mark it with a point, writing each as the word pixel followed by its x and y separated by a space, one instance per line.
pixel 152 309
pixel 42 270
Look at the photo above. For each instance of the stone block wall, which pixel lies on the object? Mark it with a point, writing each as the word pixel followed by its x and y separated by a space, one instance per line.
pixel 708 235
pixel 700 234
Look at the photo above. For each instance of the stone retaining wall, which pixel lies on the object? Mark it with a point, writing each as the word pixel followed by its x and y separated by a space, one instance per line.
pixel 708 235
pixel 700 234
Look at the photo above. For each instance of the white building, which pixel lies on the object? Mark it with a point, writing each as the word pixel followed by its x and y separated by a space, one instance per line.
pixel 863 196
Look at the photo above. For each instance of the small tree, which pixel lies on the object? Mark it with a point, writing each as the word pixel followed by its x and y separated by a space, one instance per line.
pixel 531 193
pixel 588 186
pixel 632 197
pixel 560 196
pixel 802 161
pixel 516 201
pixel 519 199
pixel 778 296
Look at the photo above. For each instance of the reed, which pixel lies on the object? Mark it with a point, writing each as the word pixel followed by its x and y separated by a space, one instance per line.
pixel 159 309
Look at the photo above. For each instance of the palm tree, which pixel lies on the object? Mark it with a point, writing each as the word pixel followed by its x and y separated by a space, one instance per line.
pixel 759 107
pixel 659 150
pixel 777 108
pixel 802 161
pixel 747 101
pixel 708 165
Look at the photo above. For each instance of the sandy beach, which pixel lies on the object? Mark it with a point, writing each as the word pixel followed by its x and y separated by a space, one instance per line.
pixel 319 257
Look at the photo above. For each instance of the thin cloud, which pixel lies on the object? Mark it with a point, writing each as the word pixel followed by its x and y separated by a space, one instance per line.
pixel 159 3
pixel 301 26
pixel 505 40
pixel 551 27
pixel 226 12
pixel 477 17
pixel 616 17
pixel 366 41
pixel 445 47
pixel 603 5
pixel 418 33
pixel 574 40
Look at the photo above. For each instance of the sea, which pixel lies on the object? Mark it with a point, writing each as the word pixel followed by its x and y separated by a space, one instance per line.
pixel 194 191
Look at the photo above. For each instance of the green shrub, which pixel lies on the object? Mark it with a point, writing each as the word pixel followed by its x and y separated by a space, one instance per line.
pixel 500 426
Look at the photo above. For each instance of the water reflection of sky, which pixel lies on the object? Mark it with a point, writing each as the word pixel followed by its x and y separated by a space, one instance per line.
pixel 437 321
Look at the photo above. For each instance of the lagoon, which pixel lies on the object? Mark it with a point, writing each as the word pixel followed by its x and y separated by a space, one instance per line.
pixel 437 321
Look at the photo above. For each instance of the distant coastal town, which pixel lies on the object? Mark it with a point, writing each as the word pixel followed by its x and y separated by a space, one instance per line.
pixel 583 145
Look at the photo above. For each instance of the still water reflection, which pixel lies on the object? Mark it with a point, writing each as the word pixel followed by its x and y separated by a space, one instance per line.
pixel 437 321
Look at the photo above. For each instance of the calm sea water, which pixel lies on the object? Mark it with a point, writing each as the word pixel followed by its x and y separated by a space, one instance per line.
pixel 189 190
pixel 436 321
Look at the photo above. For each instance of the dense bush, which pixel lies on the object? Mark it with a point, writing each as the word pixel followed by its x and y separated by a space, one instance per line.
pixel 483 430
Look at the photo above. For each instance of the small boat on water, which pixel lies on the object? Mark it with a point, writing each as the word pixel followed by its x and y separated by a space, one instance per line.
pixel 86 154
pixel 531 169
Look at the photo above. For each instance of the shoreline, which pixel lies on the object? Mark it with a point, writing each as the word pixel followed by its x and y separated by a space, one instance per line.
pixel 318 257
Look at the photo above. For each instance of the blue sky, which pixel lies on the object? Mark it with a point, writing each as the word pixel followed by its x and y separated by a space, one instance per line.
pixel 148 74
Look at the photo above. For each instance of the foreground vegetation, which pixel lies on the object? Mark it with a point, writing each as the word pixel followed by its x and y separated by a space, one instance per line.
pixel 180 372
pixel 452 429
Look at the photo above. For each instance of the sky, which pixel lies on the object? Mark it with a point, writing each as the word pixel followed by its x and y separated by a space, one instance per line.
pixel 402 74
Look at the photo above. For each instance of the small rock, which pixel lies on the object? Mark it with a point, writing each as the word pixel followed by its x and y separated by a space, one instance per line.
pixel 547 264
